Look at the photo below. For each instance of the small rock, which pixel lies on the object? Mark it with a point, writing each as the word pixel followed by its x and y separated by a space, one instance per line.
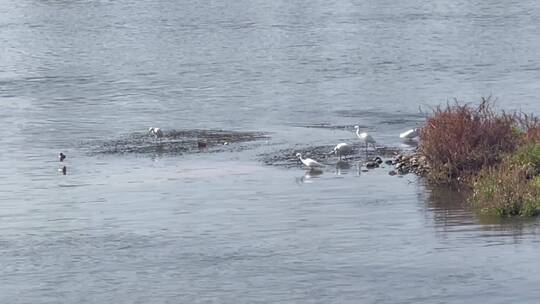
pixel 392 173
pixel 389 162
pixel 372 165
pixel 404 170
pixel 202 144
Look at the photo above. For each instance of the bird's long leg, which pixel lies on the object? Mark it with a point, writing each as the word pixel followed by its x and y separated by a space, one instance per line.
pixel 366 151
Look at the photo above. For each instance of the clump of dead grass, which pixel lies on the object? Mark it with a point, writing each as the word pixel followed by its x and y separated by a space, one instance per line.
pixel 459 140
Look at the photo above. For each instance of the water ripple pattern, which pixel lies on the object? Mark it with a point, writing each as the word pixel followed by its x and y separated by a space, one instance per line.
pixel 223 227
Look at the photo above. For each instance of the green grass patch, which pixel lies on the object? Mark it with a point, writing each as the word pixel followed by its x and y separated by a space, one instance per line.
pixel 505 193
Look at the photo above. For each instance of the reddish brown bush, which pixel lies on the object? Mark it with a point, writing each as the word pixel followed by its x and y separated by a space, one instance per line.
pixel 459 140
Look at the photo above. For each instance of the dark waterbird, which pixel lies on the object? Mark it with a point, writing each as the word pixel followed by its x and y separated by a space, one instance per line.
pixel 202 144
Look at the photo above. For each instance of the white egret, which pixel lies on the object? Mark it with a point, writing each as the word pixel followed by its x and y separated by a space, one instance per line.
pixel 366 138
pixel 158 134
pixel 342 149
pixel 308 162
pixel 409 134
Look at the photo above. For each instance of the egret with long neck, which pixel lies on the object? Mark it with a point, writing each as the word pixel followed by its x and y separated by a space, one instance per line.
pixel 366 138
pixel 310 163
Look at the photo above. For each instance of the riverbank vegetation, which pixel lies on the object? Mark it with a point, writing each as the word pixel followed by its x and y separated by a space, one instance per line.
pixel 496 154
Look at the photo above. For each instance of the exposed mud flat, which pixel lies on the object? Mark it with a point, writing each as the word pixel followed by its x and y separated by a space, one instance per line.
pixel 329 126
pixel 287 157
pixel 177 142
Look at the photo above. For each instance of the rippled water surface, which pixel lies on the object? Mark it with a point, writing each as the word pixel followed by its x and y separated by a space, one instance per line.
pixel 221 225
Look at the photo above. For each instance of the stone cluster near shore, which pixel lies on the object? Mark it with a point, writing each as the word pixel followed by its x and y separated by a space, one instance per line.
pixel 412 163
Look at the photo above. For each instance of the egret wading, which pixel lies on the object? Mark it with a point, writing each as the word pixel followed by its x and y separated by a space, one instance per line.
pixel 156 132
pixel 310 163
pixel 409 134
pixel 342 149
pixel 366 138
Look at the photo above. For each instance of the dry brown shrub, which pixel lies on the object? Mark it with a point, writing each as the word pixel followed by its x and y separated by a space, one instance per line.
pixel 459 140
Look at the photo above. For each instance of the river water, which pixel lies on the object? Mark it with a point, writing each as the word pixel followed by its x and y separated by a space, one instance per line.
pixel 224 227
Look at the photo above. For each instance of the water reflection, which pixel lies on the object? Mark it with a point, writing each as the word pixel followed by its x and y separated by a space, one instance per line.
pixel 448 211
pixel 159 151
pixel 309 176
pixel 517 228
pixel 447 205
pixel 342 167
pixel 410 143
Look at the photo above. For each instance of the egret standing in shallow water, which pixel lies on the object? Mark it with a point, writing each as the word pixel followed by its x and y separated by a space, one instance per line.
pixel 158 134
pixel 342 149
pixel 310 163
pixel 366 138
pixel 409 134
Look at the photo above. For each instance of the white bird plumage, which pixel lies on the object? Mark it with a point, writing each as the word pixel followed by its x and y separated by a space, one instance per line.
pixel 156 132
pixel 366 138
pixel 409 134
pixel 308 162
pixel 342 149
